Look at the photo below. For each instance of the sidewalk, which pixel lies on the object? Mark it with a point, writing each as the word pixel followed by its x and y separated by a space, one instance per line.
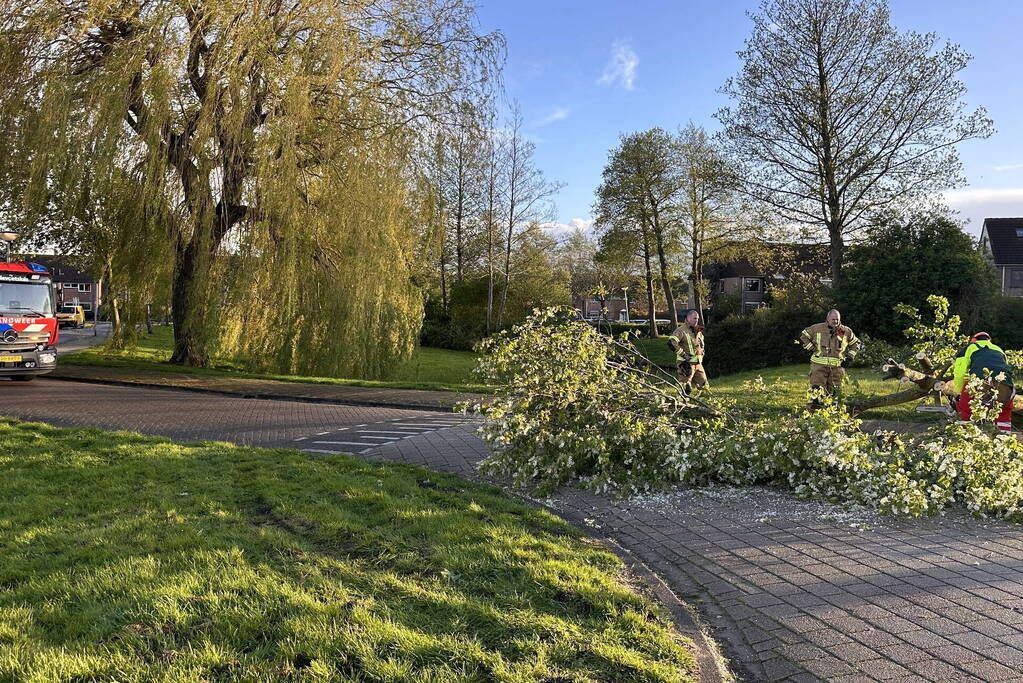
pixel 382 397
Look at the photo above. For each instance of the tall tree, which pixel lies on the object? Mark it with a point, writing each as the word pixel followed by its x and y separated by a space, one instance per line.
pixel 713 223
pixel 278 132
pixel 641 190
pixel 529 194
pixel 843 116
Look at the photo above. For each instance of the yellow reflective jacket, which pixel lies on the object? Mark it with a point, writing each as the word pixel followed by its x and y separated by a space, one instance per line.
pixel 979 356
pixel 829 346
pixel 688 344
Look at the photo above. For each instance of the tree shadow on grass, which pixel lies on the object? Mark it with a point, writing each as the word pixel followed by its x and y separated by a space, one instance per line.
pixel 133 556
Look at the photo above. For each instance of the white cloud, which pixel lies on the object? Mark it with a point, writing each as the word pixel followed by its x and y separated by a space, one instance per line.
pixel 563 229
pixel 976 204
pixel 559 114
pixel 1008 167
pixel 622 67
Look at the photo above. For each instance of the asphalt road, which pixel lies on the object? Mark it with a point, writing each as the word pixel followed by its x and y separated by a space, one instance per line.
pixel 187 416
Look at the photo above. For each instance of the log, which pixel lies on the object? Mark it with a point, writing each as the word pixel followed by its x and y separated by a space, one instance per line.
pixel 925 362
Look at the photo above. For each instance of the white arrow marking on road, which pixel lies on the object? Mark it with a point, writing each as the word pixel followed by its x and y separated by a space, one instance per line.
pixel 348 443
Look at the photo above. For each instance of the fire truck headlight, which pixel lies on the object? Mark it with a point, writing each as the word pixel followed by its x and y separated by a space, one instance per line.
pixel 47 358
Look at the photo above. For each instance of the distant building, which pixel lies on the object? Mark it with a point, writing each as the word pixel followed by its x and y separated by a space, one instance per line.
pixel 1001 243
pixel 752 279
pixel 71 285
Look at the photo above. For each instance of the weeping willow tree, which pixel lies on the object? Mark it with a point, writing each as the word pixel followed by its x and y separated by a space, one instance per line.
pixel 270 146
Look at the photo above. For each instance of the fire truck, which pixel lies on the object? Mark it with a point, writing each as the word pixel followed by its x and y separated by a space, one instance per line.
pixel 28 324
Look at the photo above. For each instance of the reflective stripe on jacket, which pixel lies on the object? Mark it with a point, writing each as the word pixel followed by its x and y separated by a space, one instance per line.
pixel 977 357
pixel 688 344
pixel 829 346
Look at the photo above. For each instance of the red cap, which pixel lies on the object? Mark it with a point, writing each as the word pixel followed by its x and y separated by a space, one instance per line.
pixel 980 335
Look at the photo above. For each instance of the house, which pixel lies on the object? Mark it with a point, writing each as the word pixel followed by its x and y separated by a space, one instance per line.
pixel 71 285
pixel 752 277
pixel 1001 243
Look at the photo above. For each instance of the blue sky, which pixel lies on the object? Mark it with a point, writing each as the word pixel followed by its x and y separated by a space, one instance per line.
pixel 586 71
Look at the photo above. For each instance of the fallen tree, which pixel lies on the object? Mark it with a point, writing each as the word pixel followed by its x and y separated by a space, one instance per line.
pixel 573 407
pixel 936 345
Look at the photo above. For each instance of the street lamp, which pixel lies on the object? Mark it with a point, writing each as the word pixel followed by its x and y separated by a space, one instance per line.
pixel 625 291
pixel 7 238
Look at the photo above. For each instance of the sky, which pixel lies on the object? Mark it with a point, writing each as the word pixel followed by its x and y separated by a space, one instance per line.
pixel 585 71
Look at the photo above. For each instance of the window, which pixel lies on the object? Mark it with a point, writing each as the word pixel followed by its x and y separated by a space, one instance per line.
pixel 752 284
pixel 722 286
pixel 1016 278
pixel 1019 232
pixel 749 307
pixel 826 281
pixel 86 306
pixel 84 288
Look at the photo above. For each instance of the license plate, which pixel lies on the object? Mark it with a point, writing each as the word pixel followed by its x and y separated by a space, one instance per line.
pixel 10 359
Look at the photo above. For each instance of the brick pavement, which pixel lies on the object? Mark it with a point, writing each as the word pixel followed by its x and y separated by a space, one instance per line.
pixel 802 591
pixel 792 590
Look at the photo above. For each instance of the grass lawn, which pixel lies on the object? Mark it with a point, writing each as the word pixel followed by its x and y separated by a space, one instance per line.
pixel 431 369
pixel 133 558
pixel 785 387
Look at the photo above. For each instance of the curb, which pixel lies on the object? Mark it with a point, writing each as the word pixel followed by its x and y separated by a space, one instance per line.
pixel 711 663
pixel 712 667
pixel 265 396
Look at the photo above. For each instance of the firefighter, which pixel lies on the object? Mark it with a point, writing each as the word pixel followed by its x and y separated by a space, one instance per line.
pixel 983 359
pixel 831 345
pixel 687 342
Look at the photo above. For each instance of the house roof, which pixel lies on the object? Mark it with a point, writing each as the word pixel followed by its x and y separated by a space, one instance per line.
pixel 62 269
pixel 774 259
pixel 1005 238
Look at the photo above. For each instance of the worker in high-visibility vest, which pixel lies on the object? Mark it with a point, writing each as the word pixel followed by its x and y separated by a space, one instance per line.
pixel 831 345
pixel 981 358
pixel 687 342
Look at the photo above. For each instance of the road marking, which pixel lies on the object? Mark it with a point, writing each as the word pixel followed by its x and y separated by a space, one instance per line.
pixel 414 424
pixel 348 443
pixel 378 438
pixel 301 438
pixel 320 450
pixel 389 431
pixel 323 434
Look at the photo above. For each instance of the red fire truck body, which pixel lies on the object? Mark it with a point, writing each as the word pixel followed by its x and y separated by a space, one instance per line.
pixel 28 323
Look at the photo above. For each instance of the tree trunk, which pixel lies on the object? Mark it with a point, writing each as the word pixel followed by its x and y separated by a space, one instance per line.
pixel 665 281
pixel 490 277
pixel 837 249
pixel 189 274
pixel 652 322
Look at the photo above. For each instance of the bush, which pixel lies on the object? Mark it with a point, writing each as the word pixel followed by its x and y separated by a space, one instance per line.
pixel 571 408
pixel 1003 318
pixel 762 339
pixel 922 254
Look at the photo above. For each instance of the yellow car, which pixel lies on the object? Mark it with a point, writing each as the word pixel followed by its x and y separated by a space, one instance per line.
pixel 72 315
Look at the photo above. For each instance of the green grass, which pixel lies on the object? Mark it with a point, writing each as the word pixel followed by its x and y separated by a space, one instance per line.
pixel 133 558
pixel 785 390
pixel 429 369
pixel 785 387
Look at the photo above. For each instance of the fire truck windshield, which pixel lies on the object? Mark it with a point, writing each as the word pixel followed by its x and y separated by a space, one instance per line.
pixel 25 299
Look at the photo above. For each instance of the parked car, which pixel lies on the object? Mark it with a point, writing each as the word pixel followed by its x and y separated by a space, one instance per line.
pixel 70 314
